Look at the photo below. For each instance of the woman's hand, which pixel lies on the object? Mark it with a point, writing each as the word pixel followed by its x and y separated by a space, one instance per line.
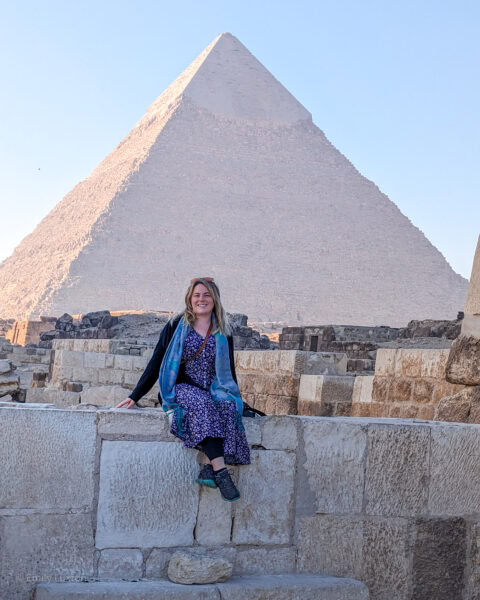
pixel 129 402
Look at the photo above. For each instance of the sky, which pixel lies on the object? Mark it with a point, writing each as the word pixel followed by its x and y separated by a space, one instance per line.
pixel 395 86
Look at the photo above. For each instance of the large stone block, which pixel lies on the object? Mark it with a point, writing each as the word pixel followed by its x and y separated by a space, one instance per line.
pixel 49 459
pixel 385 362
pixel 455 408
pixel 279 433
pixel 132 423
pixel 43 547
pixel 454 471
pixel 397 469
pixel 104 395
pixel 147 495
pixel 335 464
pixel 474 562
pixel 463 364
pixel 263 512
pixel 96 360
pixel 330 544
pixel 214 518
pixel 317 393
pixel 260 561
pixel 362 389
pixel 439 559
pixel 120 563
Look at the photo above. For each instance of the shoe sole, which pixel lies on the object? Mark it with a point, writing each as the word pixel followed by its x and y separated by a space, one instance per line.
pixel 232 500
pixel 208 482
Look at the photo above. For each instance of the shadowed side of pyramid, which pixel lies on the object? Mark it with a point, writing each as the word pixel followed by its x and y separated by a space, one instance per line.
pixel 226 175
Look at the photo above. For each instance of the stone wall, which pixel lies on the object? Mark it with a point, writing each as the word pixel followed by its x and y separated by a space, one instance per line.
pixel 393 503
pixel 29 332
pixel 409 383
pixel 32 364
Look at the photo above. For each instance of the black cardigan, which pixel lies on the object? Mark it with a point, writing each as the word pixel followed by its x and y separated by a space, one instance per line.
pixel 152 370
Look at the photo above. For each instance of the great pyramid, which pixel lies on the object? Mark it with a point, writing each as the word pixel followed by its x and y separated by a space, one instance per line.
pixel 226 175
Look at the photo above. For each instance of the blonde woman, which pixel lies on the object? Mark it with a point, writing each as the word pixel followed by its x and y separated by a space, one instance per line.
pixel 194 364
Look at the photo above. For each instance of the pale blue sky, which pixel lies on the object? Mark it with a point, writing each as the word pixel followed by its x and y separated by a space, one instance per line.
pixel 395 86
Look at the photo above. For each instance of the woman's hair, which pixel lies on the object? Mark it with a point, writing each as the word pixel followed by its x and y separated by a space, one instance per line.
pixel 223 322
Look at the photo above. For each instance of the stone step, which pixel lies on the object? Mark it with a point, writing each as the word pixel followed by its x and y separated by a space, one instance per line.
pixel 251 587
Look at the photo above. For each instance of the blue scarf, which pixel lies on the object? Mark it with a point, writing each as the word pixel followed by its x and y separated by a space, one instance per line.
pixel 222 389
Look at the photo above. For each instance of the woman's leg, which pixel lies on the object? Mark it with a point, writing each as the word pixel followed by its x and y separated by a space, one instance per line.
pixel 213 449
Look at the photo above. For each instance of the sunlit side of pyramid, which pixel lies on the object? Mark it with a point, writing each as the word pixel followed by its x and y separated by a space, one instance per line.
pixel 227 176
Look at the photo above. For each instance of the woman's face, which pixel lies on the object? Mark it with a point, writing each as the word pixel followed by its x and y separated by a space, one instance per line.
pixel 202 301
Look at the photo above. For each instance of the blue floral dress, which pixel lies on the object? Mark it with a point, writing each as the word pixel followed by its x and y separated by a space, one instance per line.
pixel 203 417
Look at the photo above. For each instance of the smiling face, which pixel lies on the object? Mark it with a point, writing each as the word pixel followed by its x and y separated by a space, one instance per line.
pixel 202 301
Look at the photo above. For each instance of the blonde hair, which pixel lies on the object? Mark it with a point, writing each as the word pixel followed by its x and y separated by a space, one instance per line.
pixel 223 322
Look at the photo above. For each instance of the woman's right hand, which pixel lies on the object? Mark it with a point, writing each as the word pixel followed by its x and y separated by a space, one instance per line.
pixel 128 402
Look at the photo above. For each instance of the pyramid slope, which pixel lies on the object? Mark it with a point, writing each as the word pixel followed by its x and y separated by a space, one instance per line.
pixel 227 175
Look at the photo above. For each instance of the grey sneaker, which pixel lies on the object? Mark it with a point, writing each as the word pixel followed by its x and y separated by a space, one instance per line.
pixel 227 487
pixel 206 476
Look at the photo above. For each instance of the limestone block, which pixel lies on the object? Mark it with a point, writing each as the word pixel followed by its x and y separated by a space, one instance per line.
pixel 454 471
pixel 330 544
pixel 120 563
pixel 381 389
pixel 401 389
pixel 88 375
pixel 70 358
pixel 408 362
pixel 43 547
pixel 104 395
pixel 192 567
pixel 279 433
pixel 5 366
pixel 122 422
pixel 110 376
pixel 279 405
pixel 136 510
pixel 335 458
pixel 386 558
pixel 439 559
pixel 253 429
pixel 456 408
pixel 472 305
pixel 131 378
pixel 474 561
pixel 127 590
pixel 397 469
pixel 463 364
pixel 157 563
pixel 279 385
pixel 124 362
pixel 54 460
pixel 95 360
pixel 324 363
pixel 262 513
pixel 9 384
pixel 362 389
pixel 292 587
pixel 272 561
pixel 109 361
pixel 246 382
pixel 214 518
pixel 444 388
pixel 423 390
pixel 385 362
pixel 139 363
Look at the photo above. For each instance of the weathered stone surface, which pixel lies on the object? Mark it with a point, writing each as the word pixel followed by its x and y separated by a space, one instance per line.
pixel 474 562
pixel 6 366
pixel 263 511
pixel 454 471
pixel 472 305
pixel 386 547
pixel 214 518
pixel 439 559
pixel 253 429
pixel 362 389
pixel 397 470
pixel 157 563
pixel 385 362
pixel 135 509
pixel 320 394
pixel 131 423
pixel 126 590
pixel 120 563
pixel 261 561
pixel 335 464
pixel 400 389
pixel 43 547
pixel 457 407
pixel 463 364
pixel 53 463
pixel 292 587
pixel 192 567
pixel 104 395
pixel 279 433
pixel 330 544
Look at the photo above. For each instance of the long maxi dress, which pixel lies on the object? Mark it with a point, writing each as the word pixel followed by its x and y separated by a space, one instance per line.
pixel 203 416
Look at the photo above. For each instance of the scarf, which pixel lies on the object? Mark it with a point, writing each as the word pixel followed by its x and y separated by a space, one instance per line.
pixel 222 389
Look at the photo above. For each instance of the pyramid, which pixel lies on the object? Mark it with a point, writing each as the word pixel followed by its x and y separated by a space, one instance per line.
pixel 226 175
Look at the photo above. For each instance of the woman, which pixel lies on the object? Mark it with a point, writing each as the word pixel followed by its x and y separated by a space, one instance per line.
pixel 194 363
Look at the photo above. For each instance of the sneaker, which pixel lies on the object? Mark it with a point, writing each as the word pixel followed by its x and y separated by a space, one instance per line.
pixel 206 476
pixel 226 485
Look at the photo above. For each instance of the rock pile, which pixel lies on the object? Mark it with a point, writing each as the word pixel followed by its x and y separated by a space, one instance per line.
pixel 9 382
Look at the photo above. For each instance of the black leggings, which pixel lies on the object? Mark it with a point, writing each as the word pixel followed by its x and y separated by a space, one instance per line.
pixel 212 447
